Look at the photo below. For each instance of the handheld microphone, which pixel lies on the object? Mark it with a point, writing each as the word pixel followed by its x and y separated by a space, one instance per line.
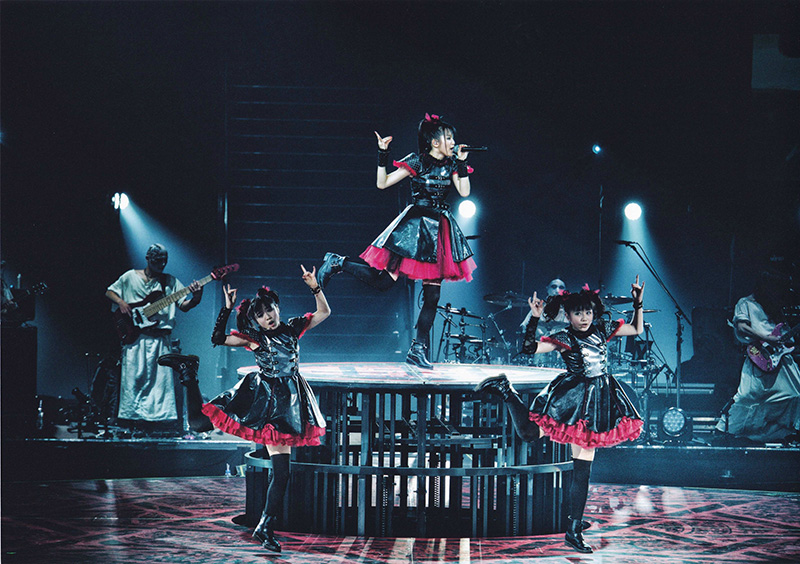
pixel 626 243
pixel 471 149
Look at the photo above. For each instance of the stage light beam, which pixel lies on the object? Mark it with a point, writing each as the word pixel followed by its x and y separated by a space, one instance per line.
pixel 596 149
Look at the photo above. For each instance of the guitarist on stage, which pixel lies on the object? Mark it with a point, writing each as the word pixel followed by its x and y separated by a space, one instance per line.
pixel 147 392
pixel 766 406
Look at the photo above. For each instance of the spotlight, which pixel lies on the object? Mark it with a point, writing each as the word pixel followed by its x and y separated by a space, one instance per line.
pixel 596 149
pixel 467 208
pixel 675 425
pixel 633 211
pixel 120 200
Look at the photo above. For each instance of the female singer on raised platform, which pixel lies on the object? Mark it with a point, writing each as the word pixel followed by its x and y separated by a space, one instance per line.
pixel 274 406
pixel 424 242
pixel 585 406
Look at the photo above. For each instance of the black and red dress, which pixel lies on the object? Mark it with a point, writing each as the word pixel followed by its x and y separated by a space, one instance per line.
pixel 586 406
pixel 275 405
pixel 424 242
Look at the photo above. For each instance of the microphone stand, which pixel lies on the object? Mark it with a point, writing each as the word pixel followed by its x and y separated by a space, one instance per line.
pixel 679 313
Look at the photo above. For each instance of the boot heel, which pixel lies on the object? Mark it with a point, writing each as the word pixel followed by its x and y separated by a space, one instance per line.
pixel 416 356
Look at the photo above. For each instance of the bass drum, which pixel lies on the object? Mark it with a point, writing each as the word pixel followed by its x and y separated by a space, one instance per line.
pixel 632 395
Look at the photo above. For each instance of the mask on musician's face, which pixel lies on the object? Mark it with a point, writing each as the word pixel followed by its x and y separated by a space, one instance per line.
pixel 269 318
pixel 555 287
pixel 157 263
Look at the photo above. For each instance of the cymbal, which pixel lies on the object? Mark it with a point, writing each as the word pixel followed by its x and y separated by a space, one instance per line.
pixel 462 312
pixel 616 300
pixel 626 311
pixel 467 339
pixel 506 298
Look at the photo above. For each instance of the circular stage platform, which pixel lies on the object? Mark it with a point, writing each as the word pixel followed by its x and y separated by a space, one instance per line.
pixel 398 375
pixel 411 452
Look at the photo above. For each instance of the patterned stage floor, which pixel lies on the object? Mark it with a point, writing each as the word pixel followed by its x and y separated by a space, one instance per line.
pixel 189 520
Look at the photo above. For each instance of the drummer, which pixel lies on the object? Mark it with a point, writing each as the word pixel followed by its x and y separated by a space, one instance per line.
pixel 555 287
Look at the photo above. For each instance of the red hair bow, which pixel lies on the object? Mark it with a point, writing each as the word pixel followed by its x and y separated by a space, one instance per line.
pixel 244 306
pixel 431 117
pixel 588 289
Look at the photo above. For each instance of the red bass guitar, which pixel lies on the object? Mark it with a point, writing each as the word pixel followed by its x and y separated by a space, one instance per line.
pixel 767 356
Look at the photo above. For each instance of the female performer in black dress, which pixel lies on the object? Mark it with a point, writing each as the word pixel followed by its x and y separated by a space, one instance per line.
pixel 424 242
pixel 585 406
pixel 274 406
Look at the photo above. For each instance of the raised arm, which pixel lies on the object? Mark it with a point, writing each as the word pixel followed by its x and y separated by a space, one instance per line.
pixel 385 180
pixel 636 326
pixel 529 344
pixel 323 309
pixel 219 335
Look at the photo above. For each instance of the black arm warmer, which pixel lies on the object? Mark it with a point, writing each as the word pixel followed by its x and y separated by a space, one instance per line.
pixel 461 169
pixel 218 336
pixel 529 343
pixel 383 157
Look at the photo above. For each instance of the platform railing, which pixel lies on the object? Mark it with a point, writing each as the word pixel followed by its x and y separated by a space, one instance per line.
pixel 411 462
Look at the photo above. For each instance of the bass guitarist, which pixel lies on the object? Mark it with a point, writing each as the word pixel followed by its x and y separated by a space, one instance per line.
pixel 766 407
pixel 147 392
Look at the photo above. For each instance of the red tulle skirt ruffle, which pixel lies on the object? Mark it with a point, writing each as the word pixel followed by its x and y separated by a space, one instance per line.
pixel 627 429
pixel 444 268
pixel 266 436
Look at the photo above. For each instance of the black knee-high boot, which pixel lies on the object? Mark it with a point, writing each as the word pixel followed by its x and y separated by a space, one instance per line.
pixel 378 279
pixel 499 386
pixel 333 264
pixel 186 366
pixel 279 479
pixel 418 353
pixel 582 469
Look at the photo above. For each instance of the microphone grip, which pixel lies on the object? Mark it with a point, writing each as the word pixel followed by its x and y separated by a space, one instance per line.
pixel 473 149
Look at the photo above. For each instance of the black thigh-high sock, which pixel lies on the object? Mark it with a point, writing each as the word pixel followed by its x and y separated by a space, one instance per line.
pixel 198 421
pixel 378 279
pixel 277 485
pixel 520 416
pixel 430 299
pixel 579 492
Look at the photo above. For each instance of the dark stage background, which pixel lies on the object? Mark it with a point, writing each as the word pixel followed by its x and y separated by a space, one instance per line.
pixel 102 97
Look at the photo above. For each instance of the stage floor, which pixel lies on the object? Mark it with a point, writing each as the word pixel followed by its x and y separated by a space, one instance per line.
pixel 189 520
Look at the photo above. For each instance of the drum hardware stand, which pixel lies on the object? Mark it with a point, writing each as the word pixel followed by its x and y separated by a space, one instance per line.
pixel 449 326
pixel 448 322
pixel 506 346
pixel 650 376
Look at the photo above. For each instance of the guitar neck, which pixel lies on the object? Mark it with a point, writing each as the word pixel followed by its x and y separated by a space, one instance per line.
pixel 167 301
pixel 790 333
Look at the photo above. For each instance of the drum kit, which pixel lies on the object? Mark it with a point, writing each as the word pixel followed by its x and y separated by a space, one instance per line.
pixel 464 339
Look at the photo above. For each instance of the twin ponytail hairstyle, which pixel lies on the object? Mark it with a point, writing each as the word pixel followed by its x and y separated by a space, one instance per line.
pixel 585 299
pixel 247 311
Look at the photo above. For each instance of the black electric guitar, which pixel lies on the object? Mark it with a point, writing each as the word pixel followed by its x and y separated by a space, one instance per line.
pixel 767 356
pixel 21 296
pixel 129 327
